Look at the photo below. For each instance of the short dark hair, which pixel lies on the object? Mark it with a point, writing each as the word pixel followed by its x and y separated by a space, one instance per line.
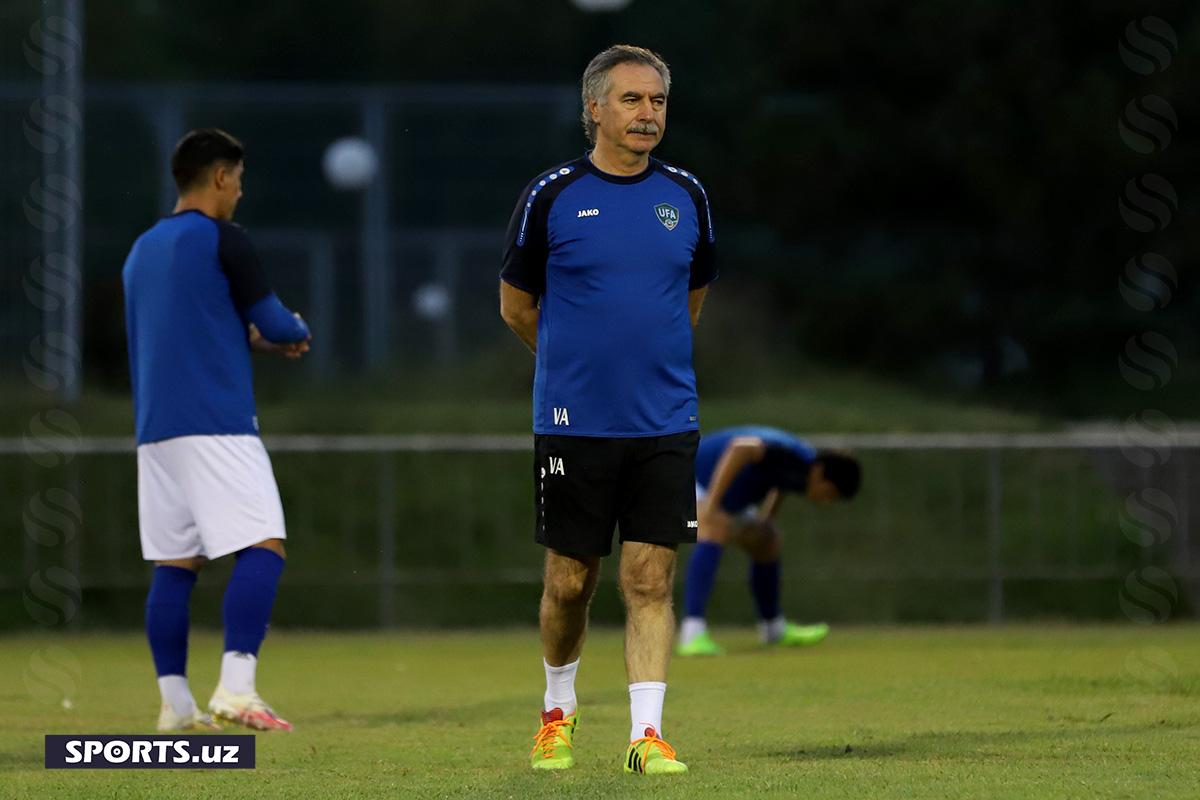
pixel 842 470
pixel 200 149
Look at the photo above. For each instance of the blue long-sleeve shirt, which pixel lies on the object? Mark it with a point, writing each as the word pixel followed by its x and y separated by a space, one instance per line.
pixel 192 283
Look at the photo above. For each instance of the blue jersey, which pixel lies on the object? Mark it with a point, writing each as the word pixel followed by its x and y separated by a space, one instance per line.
pixel 612 259
pixel 784 466
pixel 192 284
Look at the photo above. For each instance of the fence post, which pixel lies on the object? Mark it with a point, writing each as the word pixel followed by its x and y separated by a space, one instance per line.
pixel 62 144
pixel 995 540
pixel 1183 495
pixel 387 539
pixel 166 115
pixel 447 260
pixel 72 560
pixel 322 297
pixel 376 241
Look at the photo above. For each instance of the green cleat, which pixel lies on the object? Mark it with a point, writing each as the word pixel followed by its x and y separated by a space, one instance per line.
pixel 802 635
pixel 700 645
pixel 552 747
pixel 650 755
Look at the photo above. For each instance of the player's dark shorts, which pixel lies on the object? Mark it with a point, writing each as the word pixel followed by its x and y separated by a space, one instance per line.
pixel 585 486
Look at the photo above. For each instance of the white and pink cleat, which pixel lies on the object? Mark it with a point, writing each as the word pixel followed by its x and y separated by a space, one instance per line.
pixel 246 709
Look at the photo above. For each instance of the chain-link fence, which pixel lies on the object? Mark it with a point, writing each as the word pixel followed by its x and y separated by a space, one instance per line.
pixel 399 272
pixel 418 530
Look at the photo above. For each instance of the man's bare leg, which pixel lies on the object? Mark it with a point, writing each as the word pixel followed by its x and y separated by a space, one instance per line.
pixel 647 578
pixel 568 586
pixel 567 589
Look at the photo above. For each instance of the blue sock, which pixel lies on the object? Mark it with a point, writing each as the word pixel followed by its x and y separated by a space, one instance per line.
pixel 764 584
pixel 167 618
pixel 701 574
pixel 249 597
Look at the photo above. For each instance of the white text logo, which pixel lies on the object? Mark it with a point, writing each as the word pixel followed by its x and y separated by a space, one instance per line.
pixel 556 466
pixel 561 418
pixel 588 212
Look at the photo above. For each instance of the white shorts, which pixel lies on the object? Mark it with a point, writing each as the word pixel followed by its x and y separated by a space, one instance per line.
pixel 206 496
pixel 746 515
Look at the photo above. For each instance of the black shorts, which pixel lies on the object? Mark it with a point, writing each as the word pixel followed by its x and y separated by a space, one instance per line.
pixel 584 486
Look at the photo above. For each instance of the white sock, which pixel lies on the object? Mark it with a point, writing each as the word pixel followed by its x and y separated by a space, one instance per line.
pixel 560 687
pixel 177 694
pixel 645 707
pixel 691 628
pixel 769 630
pixel 237 672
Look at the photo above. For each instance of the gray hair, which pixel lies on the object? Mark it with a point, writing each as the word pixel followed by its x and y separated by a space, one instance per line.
pixel 597 78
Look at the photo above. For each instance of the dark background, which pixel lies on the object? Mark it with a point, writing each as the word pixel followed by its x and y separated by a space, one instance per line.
pixel 928 190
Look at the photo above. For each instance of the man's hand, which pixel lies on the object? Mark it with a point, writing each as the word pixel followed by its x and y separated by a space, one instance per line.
pixel 770 506
pixel 765 528
pixel 695 303
pixel 290 350
pixel 715 525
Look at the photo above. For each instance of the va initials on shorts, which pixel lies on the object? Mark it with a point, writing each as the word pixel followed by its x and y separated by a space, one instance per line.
pixel 561 418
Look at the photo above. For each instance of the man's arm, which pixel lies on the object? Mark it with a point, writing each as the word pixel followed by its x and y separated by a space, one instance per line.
pixel 519 309
pixel 704 263
pixel 695 303
pixel 770 506
pixel 266 318
pixel 739 454
pixel 272 321
pixel 716 524
pixel 523 272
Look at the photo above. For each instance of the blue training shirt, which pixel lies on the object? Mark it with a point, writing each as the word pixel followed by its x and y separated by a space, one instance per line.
pixel 612 259
pixel 784 466
pixel 192 284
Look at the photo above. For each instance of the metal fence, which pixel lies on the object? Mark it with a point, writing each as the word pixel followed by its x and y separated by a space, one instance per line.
pixel 432 529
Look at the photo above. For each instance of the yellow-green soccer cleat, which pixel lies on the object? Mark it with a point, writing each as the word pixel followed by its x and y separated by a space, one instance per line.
pixel 701 644
pixel 552 747
pixel 650 755
pixel 802 635
pixel 197 720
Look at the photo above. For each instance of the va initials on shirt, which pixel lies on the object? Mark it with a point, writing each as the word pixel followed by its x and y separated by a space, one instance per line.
pixel 556 466
pixel 561 418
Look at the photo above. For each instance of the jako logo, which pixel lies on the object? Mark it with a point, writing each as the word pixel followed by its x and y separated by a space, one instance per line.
pixel 561 418
pixel 693 523
pixel 588 212
pixel 556 466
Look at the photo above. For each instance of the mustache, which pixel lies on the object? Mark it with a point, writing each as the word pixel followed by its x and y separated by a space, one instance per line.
pixel 643 128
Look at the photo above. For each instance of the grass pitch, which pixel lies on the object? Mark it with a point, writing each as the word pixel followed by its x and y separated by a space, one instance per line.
pixel 956 712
